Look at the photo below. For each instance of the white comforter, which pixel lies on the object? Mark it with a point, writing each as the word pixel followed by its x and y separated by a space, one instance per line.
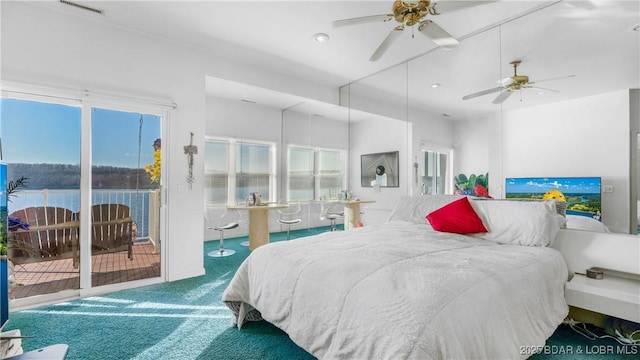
pixel 403 291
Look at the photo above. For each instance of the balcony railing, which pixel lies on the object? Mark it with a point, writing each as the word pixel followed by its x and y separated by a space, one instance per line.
pixel 143 204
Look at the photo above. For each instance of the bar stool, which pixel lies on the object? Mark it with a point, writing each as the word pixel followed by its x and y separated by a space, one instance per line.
pixel 332 211
pixel 221 252
pixel 289 216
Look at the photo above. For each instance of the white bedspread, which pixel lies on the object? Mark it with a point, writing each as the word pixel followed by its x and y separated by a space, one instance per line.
pixel 403 291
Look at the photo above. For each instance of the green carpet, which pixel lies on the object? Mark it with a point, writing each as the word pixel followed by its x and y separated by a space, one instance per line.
pixel 186 320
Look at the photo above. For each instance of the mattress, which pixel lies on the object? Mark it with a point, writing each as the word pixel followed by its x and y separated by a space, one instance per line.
pixel 401 290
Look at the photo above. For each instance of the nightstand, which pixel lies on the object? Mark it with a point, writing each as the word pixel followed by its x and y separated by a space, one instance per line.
pixel 612 295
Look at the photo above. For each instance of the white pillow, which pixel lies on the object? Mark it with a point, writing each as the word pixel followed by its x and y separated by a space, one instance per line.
pixel 416 208
pixel 530 223
pixel 579 222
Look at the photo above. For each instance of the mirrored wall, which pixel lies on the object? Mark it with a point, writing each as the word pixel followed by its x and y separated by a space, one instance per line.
pixel 456 103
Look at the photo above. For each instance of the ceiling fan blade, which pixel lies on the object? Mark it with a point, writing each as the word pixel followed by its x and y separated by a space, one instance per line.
pixel 384 45
pixel 481 93
pixel 444 7
pixel 437 34
pixel 551 79
pixel 541 88
pixel 362 20
pixel 502 97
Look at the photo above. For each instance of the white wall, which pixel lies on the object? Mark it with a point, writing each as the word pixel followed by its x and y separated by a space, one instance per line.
pixel 375 135
pixel 472 147
pixel 583 137
pixel 42 44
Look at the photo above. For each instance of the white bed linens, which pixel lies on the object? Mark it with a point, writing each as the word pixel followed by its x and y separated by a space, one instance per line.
pixel 403 291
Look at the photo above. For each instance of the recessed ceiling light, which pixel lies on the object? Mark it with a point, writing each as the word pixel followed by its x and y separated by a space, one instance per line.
pixel 446 115
pixel 636 28
pixel 436 85
pixel 321 37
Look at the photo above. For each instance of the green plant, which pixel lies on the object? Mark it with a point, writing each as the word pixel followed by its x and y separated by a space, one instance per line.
pixel 12 188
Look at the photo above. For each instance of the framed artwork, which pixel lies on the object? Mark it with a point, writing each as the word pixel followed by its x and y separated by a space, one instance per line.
pixel 380 169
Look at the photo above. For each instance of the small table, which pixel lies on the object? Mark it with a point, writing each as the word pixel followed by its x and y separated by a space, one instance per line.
pixel 352 212
pixel 258 222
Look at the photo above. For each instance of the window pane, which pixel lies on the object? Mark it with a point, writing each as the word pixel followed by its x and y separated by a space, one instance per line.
pixel 216 182
pixel 329 170
pixel 301 180
pixel 435 169
pixel 126 156
pixel 300 188
pixel 330 186
pixel 216 155
pixel 330 162
pixel 249 183
pixel 300 161
pixel 252 158
pixel 252 170
pixel 215 188
pixel 41 141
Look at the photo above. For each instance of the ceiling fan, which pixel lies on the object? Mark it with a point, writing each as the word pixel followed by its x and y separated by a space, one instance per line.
pixel 407 14
pixel 512 84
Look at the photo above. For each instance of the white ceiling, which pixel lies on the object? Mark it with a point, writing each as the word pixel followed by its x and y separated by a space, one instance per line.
pixel 592 40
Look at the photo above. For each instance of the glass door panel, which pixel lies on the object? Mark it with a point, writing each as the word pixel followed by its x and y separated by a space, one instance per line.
pixel 126 151
pixel 41 146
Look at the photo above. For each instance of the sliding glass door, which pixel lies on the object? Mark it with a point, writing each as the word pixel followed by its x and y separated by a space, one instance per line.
pixel 85 184
pixel 41 147
pixel 126 150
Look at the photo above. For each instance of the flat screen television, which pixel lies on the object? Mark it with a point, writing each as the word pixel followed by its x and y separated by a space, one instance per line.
pixel 582 194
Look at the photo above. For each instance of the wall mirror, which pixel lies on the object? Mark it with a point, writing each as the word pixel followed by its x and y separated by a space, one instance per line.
pixel 421 102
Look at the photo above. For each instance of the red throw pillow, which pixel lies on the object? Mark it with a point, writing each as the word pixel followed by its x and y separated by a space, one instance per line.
pixel 457 217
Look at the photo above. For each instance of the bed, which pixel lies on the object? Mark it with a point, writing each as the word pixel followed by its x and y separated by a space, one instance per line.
pixel 402 290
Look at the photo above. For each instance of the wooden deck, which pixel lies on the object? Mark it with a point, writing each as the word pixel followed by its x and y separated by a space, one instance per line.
pixel 53 276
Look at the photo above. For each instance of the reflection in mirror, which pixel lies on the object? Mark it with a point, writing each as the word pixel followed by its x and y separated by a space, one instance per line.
pixel 314 157
pixel 419 110
pixel 426 101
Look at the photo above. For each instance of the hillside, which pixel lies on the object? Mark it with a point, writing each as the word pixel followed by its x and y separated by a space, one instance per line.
pixel 63 176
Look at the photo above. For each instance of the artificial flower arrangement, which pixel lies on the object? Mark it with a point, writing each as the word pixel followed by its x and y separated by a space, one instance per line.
pixel 154 169
pixel 474 185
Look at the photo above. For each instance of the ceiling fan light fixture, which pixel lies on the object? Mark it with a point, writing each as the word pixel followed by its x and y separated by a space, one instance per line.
pixel 321 37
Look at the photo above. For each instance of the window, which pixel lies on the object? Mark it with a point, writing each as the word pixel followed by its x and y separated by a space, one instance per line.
pixel 314 173
pixel 436 177
pixel 234 169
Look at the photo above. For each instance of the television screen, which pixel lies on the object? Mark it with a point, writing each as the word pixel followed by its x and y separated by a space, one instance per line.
pixel 4 279
pixel 582 194
pixel 4 294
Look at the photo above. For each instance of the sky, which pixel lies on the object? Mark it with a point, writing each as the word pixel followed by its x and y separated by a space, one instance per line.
pixel 36 132
pixel 576 185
